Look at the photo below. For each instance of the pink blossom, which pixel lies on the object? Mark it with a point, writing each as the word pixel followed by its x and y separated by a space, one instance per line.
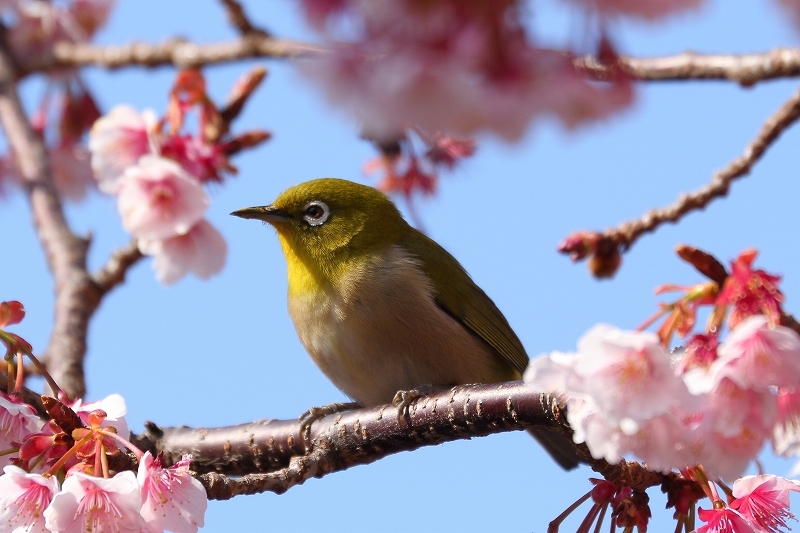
pixel 172 498
pixel 724 521
pixel 41 24
pixel 93 504
pixel 158 199
pixel 764 500
pixel 786 433
pixel 647 9
pixel 117 141
pixel 202 160
pixel 11 312
pixel 17 421
pixel 114 407
pixel 758 356
pixel 201 251
pixel 23 499
pixel 627 374
pixel 72 170
pixel 749 292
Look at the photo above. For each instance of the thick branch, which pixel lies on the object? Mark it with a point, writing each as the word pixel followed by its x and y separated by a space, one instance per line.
pixel 76 294
pixel 270 454
pixel 627 233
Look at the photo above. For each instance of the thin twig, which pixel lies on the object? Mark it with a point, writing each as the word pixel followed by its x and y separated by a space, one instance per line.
pixel 240 21
pixel 113 272
pixel 627 233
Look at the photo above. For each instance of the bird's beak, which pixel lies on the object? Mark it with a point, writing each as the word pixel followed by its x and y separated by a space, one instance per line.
pixel 267 213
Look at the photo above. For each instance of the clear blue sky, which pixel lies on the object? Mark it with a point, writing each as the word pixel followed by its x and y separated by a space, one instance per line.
pixel 224 351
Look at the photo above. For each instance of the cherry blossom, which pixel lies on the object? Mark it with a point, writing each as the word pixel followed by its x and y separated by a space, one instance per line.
pixel 72 170
pixel 750 292
pixel 114 407
pixel 88 503
pixel 201 251
pixel 23 500
pixel 764 500
pixel 117 141
pixel 758 356
pixel 724 520
pixel 158 199
pixel 11 313
pixel 17 420
pixel 171 498
pixel 786 433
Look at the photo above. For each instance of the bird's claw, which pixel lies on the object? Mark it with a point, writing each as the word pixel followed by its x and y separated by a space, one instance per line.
pixel 403 400
pixel 315 413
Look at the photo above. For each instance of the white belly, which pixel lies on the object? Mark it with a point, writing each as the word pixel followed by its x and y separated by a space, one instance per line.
pixel 382 332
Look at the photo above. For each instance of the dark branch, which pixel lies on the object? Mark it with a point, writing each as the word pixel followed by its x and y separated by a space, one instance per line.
pixel 240 21
pixel 113 272
pixel 270 456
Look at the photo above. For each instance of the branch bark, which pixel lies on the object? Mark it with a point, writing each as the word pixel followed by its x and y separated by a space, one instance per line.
pixel 269 455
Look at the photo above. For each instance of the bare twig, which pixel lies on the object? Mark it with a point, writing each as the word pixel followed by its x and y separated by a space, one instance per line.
pixel 627 233
pixel 113 272
pixel 746 69
pixel 178 53
pixel 239 19
pixel 76 295
pixel 271 455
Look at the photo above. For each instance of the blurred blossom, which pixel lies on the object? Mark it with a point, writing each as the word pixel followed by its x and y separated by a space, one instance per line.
pixel 117 141
pixel 647 9
pixel 158 199
pixel 40 24
pixel 454 66
pixel 72 170
pixel 201 251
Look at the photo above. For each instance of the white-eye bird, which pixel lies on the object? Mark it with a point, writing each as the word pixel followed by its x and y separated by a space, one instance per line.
pixel 382 308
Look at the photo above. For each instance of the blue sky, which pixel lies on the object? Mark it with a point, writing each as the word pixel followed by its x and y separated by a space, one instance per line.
pixel 224 351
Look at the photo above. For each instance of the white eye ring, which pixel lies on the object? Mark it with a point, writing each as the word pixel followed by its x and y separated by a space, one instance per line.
pixel 316 213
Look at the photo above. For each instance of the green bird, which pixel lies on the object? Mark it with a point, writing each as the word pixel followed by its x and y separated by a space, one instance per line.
pixel 382 308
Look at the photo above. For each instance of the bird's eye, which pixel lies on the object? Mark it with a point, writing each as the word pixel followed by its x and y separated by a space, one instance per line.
pixel 316 213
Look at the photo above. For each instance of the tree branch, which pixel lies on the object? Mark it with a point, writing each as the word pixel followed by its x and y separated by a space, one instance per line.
pixel 270 455
pixel 239 19
pixel 627 233
pixel 113 272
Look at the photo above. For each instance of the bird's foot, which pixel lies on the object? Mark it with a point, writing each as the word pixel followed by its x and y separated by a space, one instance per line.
pixel 315 413
pixel 403 400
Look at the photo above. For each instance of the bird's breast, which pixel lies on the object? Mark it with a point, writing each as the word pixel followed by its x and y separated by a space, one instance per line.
pixel 379 330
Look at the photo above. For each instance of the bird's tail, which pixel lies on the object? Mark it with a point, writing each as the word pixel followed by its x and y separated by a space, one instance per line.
pixel 560 448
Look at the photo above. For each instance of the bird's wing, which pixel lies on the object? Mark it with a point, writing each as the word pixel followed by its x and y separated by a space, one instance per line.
pixel 461 298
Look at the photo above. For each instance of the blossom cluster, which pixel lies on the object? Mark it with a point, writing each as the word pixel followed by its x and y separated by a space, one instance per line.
pixel 67 109
pixel 456 66
pixel 405 171
pixel 713 402
pixel 56 475
pixel 157 171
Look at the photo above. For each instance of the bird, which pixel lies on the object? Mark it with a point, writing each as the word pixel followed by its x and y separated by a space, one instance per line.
pixel 380 307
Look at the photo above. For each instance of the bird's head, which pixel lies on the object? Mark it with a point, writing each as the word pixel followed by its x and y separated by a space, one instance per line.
pixel 327 223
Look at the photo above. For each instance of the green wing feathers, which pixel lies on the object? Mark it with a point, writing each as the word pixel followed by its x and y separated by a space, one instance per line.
pixel 459 296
